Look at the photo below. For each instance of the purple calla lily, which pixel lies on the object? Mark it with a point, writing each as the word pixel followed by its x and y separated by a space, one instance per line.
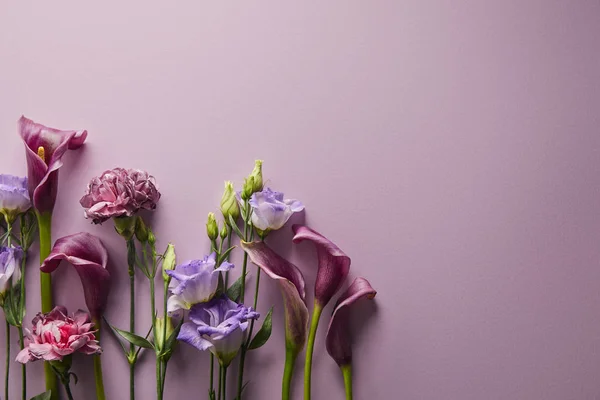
pixel 334 264
pixel 89 257
pixel 44 148
pixel 338 340
pixel 291 282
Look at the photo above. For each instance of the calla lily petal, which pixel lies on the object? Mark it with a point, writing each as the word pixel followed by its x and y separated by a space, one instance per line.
pixel 291 282
pixel 89 257
pixel 43 172
pixel 334 264
pixel 338 340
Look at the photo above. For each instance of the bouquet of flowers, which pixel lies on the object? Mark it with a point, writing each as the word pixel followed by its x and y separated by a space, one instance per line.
pixel 201 306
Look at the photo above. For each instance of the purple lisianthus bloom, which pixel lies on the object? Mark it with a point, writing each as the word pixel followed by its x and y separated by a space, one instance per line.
pixel 194 282
pixel 119 192
pixel 270 211
pixel 10 267
pixel 14 196
pixel 218 326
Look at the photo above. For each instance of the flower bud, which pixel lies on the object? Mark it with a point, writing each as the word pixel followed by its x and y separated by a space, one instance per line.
pixel 212 229
pixel 151 237
pixel 229 204
pixel 257 175
pixel 162 335
pixel 248 189
pixel 169 261
pixel 224 231
pixel 125 226
pixel 141 230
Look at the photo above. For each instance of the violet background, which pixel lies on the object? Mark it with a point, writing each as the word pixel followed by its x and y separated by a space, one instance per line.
pixel 449 147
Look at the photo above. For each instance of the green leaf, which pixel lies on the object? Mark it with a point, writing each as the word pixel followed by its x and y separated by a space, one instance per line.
pixel 235 227
pixel 112 330
pixel 264 333
pixel 171 340
pixel 43 396
pixel 134 339
pixel 225 255
pixel 234 292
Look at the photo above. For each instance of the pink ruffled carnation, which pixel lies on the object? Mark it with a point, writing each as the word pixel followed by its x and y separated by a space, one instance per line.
pixel 119 192
pixel 56 335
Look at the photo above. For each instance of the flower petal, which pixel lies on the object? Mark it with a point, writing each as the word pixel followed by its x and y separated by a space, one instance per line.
pixel 89 257
pixel 43 174
pixel 334 264
pixel 291 282
pixel 338 340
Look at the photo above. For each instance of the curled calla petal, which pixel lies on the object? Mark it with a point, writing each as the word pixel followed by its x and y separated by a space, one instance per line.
pixel 338 340
pixel 44 148
pixel 334 264
pixel 89 257
pixel 291 282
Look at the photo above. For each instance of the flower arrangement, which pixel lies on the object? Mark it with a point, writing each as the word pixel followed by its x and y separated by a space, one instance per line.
pixel 201 307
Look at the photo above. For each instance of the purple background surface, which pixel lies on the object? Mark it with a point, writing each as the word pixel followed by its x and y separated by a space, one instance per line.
pixel 451 148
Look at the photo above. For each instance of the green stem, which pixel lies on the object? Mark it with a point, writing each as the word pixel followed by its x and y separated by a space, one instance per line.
pixel 45 231
pixel 224 383
pixel 164 377
pixel 131 269
pixel 314 323
pixel 347 372
pixel 132 381
pixel 68 389
pixel 229 234
pixel 98 366
pixel 212 373
pixel 288 372
pixel 153 310
pixel 164 335
pixel 240 382
pixel 23 366
pixel 6 376
pixel 219 385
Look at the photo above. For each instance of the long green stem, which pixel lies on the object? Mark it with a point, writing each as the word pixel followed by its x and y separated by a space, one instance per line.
pixel 21 314
pixel 45 231
pixel 229 234
pixel 68 390
pixel 7 371
pixel 288 372
pixel 131 254
pixel 224 383
pixel 153 310
pixel 98 367
pixel 164 336
pixel 314 323
pixel 212 373
pixel 347 372
pixel 23 366
pixel 219 386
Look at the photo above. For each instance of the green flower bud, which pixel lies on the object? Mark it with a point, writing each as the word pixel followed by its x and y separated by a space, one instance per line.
pixel 169 261
pixel 162 336
pixel 151 237
pixel 141 230
pixel 125 226
pixel 224 232
pixel 229 204
pixel 257 175
pixel 248 189
pixel 212 229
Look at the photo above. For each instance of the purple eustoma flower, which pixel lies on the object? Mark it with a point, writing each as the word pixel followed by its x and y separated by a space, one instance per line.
pixel 89 257
pixel 14 196
pixel 218 326
pixel 270 211
pixel 119 192
pixel 10 267
pixel 194 282
pixel 44 149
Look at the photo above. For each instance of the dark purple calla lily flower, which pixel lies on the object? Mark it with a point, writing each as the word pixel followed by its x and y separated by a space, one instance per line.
pixel 44 148
pixel 291 282
pixel 334 264
pixel 338 340
pixel 89 257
